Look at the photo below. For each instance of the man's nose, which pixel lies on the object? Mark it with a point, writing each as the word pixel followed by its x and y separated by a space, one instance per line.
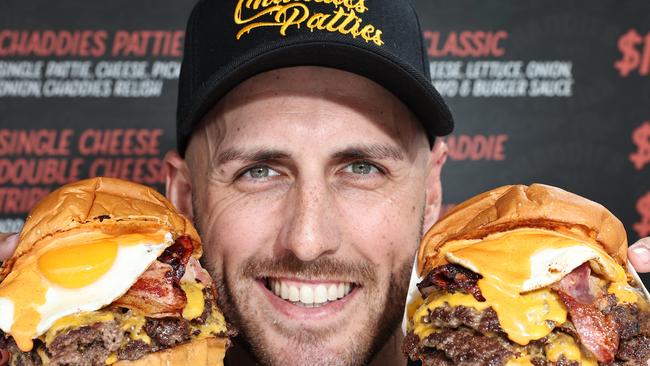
pixel 310 229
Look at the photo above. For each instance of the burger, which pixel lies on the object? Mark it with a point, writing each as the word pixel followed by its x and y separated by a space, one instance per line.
pixel 107 272
pixel 527 275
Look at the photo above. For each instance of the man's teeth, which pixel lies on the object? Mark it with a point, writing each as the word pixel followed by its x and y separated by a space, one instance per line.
pixel 309 295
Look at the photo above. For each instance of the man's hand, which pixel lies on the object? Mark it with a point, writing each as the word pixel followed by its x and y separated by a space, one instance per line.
pixel 639 255
pixel 8 244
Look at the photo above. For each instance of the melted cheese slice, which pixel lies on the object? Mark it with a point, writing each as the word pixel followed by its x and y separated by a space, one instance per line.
pixel 133 324
pixel 560 344
pixel 557 346
pixel 624 292
pixel 517 266
pixel 195 301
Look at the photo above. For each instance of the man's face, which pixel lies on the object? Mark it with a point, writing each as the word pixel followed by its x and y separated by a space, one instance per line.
pixel 308 189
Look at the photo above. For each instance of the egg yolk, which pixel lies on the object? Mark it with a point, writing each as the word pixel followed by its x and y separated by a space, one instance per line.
pixel 78 265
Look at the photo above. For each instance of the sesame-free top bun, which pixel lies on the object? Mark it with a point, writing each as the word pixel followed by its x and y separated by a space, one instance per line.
pixel 202 352
pixel 103 204
pixel 519 206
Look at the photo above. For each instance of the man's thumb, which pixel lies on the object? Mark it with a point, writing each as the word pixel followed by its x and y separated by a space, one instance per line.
pixel 639 255
pixel 8 243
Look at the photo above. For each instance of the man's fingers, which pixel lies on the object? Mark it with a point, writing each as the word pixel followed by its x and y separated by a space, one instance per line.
pixel 8 244
pixel 639 255
pixel 4 357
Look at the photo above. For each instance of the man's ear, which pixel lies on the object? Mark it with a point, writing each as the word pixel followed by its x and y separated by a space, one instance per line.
pixel 178 183
pixel 434 187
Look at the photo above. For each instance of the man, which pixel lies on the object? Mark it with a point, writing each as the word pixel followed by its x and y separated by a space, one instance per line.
pixel 309 161
pixel 309 185
pixel 308 158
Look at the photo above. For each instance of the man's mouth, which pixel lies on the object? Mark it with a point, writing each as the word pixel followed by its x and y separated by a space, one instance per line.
pixel 309 294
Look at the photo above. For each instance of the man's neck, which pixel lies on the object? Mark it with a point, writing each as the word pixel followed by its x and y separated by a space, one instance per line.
pixel 389 355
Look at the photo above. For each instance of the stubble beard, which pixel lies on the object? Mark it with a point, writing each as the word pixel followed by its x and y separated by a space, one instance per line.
pixel 383 314
pixel 369 339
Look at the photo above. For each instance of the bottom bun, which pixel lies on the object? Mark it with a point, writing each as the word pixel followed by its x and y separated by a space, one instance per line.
pixel 201 352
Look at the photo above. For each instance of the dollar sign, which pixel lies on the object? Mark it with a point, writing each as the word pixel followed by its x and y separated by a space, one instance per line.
pixel 627 45
pixel 641 138
pixel 643 207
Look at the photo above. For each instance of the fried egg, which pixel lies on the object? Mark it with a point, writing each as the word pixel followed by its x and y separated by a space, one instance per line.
pixel 531 259
pixel 79 273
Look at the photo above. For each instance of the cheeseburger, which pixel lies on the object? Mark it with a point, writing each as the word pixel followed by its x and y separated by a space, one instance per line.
pixel 527 275
pixel 107 272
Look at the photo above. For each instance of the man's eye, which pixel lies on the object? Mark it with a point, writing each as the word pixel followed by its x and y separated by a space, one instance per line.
pixel 361 167
pixel 260 172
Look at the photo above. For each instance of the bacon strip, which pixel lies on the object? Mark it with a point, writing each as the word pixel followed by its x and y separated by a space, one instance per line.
pixel 156 293
pixel 597 332
pixel 195 273
pixel 577 285
pixel 177 255
pixel 451 278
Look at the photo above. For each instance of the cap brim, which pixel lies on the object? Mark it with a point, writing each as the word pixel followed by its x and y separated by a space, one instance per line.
pixel 409 85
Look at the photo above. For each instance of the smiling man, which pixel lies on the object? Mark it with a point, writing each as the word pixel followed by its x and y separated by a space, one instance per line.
pixel 309 159
pixel 309 184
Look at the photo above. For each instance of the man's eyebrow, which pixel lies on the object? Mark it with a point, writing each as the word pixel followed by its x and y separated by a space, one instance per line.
pixel 374 151
pixel 256 155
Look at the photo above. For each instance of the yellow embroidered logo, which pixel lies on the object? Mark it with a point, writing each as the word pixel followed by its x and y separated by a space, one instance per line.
pixel 285 14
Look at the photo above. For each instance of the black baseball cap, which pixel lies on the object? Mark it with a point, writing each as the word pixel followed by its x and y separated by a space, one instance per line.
pixel 229 41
